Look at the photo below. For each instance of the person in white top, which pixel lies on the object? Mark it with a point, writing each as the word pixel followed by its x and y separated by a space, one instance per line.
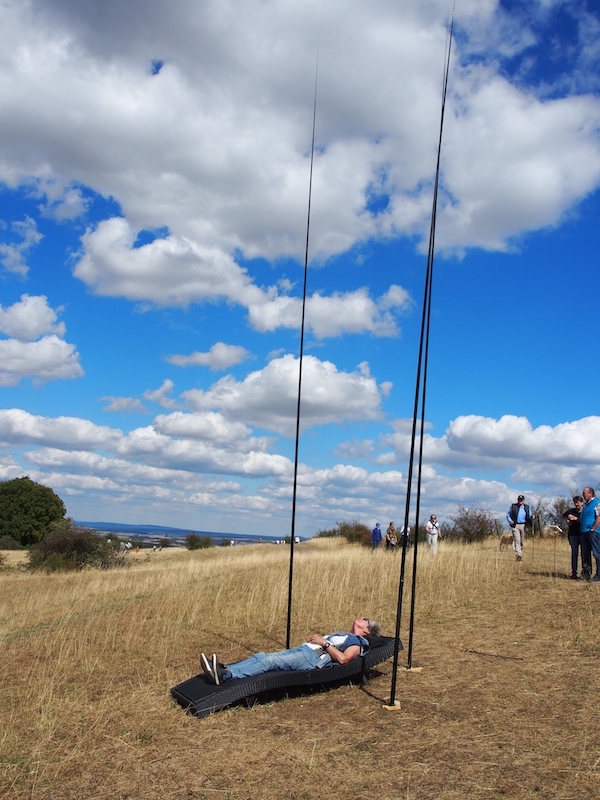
pixel 433 532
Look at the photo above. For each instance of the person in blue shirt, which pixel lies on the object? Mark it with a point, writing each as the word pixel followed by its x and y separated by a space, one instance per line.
pixel 589 522
pixel 519 517
pixel 376 536
pixel 317 652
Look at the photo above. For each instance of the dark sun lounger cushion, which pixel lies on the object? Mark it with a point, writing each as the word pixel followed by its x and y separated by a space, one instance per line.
pixel 201 698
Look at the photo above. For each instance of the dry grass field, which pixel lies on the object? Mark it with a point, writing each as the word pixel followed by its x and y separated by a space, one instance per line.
pixel 503 707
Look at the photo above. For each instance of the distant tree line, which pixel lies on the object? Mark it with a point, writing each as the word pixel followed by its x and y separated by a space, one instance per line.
pixel 468 525
pixel 32 516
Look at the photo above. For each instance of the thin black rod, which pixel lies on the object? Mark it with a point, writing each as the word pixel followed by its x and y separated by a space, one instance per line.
pixel 300 361
pixel 419 393
pixel 430 259
pixel 408 494
pixel 419 476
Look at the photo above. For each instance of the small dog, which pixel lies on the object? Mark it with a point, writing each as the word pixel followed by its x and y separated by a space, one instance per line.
pixel 505 540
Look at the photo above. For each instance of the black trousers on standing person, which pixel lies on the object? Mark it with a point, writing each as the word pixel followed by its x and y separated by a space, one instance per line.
pixel 586 555
pixel 575 542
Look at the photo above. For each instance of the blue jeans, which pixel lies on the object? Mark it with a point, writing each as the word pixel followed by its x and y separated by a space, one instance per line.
pixel 595 537
pixel 301 657
pixel 586 554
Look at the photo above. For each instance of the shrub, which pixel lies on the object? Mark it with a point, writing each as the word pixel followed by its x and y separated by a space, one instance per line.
pixel 470 525
pixel 327 533
pixel 195 542
pixel 422 533
pixel 8 543
pixel 27 509
pixel 355 531
pixel 68 546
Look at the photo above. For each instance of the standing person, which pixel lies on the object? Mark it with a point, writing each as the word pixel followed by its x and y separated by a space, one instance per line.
pixel 572 519
pixel 391 537
pixel 376 536
pixel 433 532
pixel 589 520
pixel 519 517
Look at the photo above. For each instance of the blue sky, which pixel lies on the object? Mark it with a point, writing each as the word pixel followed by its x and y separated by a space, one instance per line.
pixel 153 190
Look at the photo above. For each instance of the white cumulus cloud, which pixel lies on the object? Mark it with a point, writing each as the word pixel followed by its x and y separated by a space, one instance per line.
pixel 30 318
pixel 268 397
pixel 214 146
pixel 12 255
pixel 38 350
pixel 220 356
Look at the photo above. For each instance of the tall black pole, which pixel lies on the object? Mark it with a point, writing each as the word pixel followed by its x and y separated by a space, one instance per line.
pixel 295 488
pixel 427 300
pixel 420 394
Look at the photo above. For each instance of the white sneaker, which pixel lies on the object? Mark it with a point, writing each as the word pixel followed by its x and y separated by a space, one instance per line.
pixel 207 668
pixel 215 669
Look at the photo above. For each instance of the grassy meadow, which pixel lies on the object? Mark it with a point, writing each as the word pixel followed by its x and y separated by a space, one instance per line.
pixel 503 705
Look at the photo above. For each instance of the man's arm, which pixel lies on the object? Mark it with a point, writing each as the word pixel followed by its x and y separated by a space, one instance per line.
pixel 337 655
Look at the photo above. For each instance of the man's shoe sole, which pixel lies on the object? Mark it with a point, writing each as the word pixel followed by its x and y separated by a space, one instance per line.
pixel 215 669
pixel 206 667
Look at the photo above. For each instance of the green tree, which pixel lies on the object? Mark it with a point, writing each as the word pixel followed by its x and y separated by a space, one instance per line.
pixel 27 509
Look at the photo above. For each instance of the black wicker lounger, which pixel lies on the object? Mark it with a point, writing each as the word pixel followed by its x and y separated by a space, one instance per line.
pixel 201 698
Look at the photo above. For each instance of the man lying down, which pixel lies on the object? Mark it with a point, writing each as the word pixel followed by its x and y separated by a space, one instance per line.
pixel 317 652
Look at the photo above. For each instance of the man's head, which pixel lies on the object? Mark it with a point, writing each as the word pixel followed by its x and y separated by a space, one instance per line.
pixel 588 493
pixel 433 517
pixel 365 627
pixel 520 499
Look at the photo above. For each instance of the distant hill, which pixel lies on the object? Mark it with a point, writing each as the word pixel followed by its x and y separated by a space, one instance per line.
pixel 151 534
